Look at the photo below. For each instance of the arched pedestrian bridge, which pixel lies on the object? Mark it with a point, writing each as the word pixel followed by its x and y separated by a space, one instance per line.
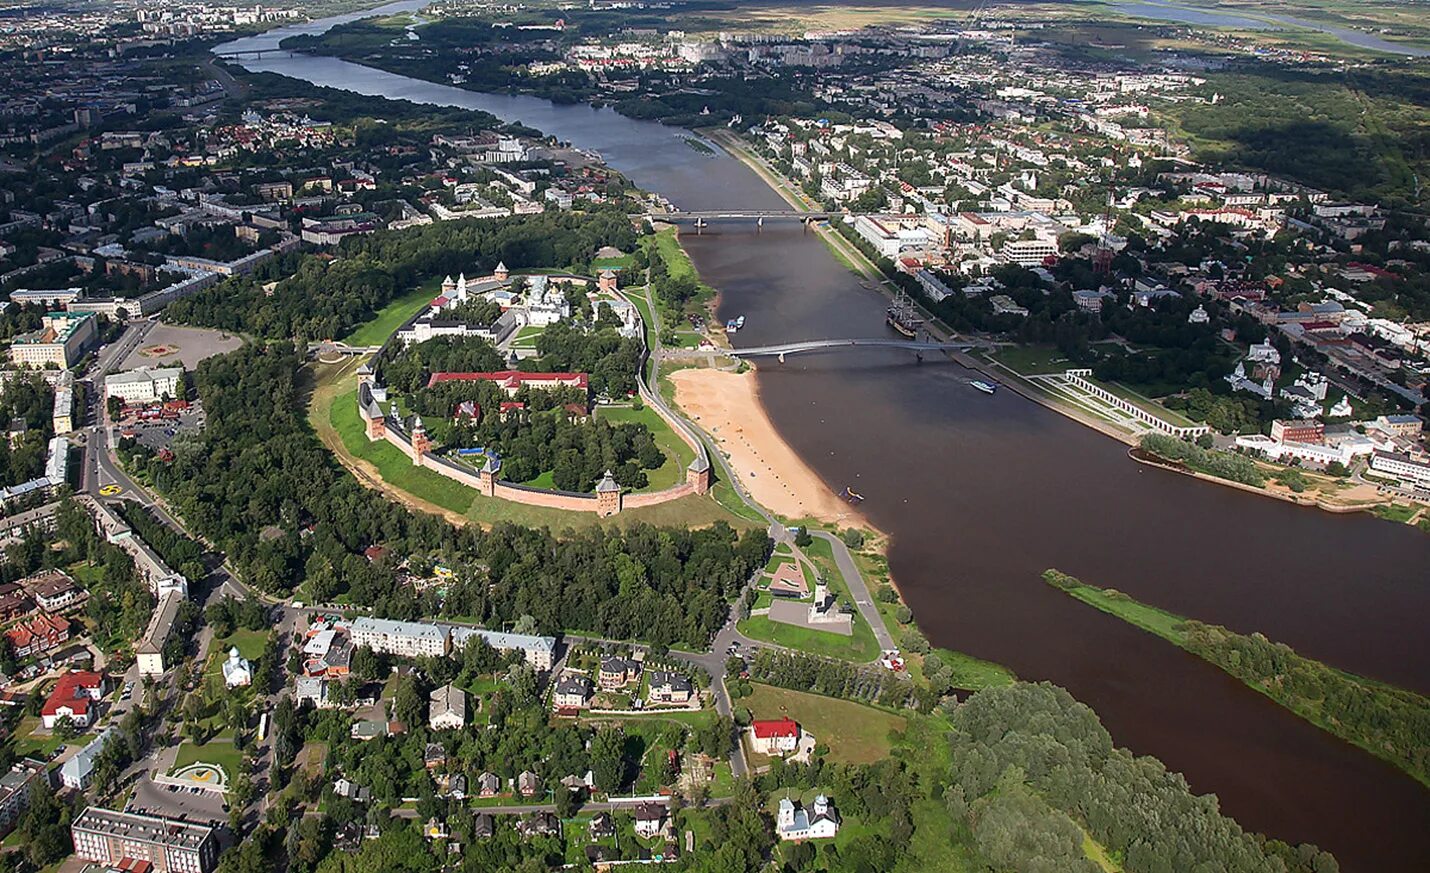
pixel 919 347
pixel 828 345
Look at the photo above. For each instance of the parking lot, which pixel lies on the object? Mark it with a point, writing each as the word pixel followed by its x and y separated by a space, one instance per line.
pixel 160 434
pixel 188 802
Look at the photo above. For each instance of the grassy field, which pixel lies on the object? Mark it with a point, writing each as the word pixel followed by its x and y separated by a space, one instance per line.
pixel 249 642
pixel 390 317
pixel 678 455
pixel 1032 360
pixel 860 647
pixel 28 743
pixel 219 751
pixel 855 734
pixel 395 467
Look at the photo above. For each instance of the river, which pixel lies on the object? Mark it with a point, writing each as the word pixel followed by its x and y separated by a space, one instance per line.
pixel 1260 20
pixel 980 494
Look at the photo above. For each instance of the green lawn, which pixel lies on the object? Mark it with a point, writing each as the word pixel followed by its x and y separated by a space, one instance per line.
pixel 220 751
pixel 855 734
pixel 390 317
pixel 40 745
pixel 395 467
pixel 250 643
pixel 860 648
pixel 1033 360
pixel 678 455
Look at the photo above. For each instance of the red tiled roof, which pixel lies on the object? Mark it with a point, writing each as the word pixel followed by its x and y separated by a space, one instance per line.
pixel 72 692
pixel 784 727
pixel 512 378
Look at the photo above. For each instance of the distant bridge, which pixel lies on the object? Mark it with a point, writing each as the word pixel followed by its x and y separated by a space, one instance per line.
pixel 757 214
pixel 783 349
pixel 254 54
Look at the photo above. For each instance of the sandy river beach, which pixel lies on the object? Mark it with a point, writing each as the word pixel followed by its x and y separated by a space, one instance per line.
pixel 727 406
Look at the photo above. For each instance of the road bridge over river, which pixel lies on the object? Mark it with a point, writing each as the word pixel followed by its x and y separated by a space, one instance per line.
pixel 780 350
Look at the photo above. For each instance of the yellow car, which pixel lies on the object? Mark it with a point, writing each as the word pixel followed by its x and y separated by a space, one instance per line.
pixel 110 490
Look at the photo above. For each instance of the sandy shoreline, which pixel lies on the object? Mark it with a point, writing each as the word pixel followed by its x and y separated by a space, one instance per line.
pixel 727 406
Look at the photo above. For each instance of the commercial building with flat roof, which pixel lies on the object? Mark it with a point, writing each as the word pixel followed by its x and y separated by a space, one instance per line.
pixel 145 385
pixel 62 338
pixel 109 837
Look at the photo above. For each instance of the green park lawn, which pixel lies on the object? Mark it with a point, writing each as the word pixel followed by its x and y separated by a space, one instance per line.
pixel 678 455
pixel 30 742
pixel 250 643
pixel 1032 360
pixel 855 734
pixel 390 317
pixel 219 751
pixel 395 467
pixel 859 648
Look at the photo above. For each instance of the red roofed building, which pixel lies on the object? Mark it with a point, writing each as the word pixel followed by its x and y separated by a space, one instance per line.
pixel 44 633
pixel 512 381
pixel 774 737
pixel 74 697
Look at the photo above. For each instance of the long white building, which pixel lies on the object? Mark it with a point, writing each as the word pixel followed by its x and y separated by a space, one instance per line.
pixel 145 385
pixel 409 639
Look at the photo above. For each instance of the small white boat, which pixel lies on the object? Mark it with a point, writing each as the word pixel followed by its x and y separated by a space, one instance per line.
pixel 985 387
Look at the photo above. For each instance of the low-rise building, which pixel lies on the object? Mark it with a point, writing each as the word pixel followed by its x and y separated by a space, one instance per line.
pixel 796 823
pixel 1401 466
pixel 42 634
pixel 74 698
pixel 447 708
pixel 572 692
pixel 145 385
pixel 408 639
pixel 237 670
pixel 79 769
pixel 651 819
pixel 150 650
pixel 54 590
pixel 774 736
pixel 170 845
pixel 539 651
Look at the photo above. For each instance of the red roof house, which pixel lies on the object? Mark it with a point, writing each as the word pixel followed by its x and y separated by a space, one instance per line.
pixel 44 633
pixel 512 381
pixel 772 737
pixel 73 697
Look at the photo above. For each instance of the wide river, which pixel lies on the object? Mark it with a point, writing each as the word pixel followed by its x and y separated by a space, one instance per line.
pixel 981 494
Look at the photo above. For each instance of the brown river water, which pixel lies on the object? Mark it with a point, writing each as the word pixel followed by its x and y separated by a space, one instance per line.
pixel 980 494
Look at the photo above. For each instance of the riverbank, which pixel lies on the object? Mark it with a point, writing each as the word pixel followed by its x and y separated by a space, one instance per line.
pixel 1384 720
pixel 727 406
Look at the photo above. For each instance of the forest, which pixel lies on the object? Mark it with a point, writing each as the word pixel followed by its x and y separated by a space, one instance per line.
pixel 259 484
pixel 320 298
pixel 26 402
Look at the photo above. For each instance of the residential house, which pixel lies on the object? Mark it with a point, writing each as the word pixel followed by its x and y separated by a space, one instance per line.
pixel 617 672
pixel 447 708
pixel 774 737
pixel 42 634
pixel 651 819
pixel 54 590
pixel 539 824
pixel 667 686
pixel 572 691
pixel 488 785
pixel 602 826
pixel 528 784
pixel 484 826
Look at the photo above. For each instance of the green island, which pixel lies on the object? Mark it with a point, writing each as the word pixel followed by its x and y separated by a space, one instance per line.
pixel 1389 722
